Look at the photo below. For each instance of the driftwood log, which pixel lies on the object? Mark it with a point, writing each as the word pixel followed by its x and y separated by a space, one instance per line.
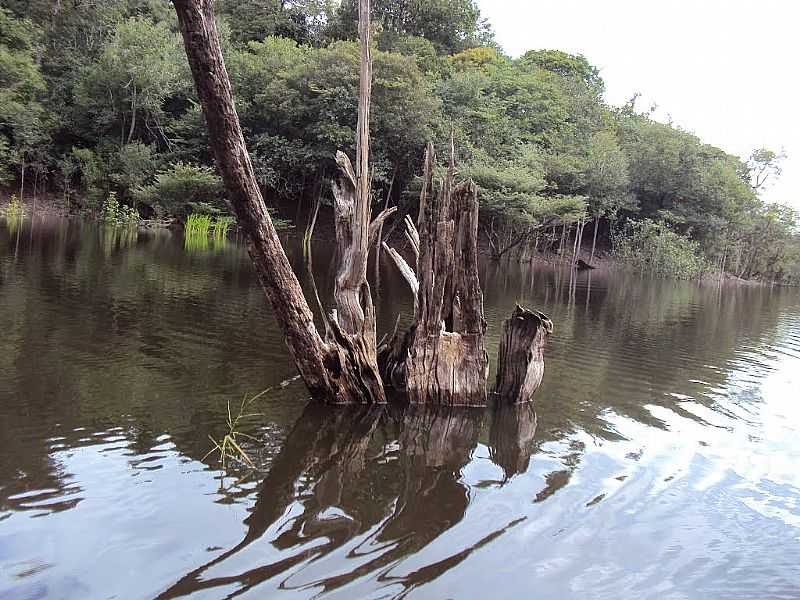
pixel 442 359
pixel 520 361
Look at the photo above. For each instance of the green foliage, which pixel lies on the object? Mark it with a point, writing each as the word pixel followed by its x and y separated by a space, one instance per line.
pixel 655 249
pixel 115 214
pixel 123 92
pixel 14 214
pixel 14 208
pixel 181 189
pixel 96 98
pixel 198 224
pixel 450 25
pixel 221 227
pixel 23 127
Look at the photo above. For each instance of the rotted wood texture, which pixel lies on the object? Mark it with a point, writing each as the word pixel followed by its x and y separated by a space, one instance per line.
pixel 442 358
pixel 520 361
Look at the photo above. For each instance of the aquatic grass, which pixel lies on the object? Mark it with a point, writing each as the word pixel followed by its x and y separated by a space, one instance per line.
pixel 229 447
pixel 221 227
pixel 197 225
pixel 194 243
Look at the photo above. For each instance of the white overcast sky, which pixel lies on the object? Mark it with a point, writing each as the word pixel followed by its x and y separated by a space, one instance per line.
pixel 723 69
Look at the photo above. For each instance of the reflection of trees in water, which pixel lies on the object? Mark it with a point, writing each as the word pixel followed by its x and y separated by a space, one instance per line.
pixel 375 486
pixel 149 332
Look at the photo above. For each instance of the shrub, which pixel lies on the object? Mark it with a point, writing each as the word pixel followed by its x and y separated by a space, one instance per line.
pixel 654 248
pixel 183 188
pixel 116 214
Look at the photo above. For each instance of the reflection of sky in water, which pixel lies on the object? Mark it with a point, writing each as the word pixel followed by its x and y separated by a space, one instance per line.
pixel 101 542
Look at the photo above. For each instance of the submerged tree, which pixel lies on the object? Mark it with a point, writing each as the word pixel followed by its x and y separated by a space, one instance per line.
pixel 336 369
pixel 446 360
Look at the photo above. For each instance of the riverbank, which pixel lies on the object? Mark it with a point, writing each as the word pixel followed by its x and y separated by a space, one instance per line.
pixel 53 204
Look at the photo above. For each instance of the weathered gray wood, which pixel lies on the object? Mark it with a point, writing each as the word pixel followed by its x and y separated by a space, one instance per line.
pixel 442 359
pixel 353 323
pixel 520 361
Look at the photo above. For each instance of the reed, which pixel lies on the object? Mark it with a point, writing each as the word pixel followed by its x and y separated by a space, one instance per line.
pixel 229 446
pixel 197 225
pixel 221 227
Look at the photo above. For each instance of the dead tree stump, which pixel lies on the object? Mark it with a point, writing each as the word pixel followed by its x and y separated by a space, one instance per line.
pixel 520 362
pixel 442 359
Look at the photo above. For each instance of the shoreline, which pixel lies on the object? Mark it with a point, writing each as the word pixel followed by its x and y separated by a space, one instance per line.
pixel 54 206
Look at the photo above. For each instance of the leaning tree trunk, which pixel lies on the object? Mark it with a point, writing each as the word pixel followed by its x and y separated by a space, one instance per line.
pixel 333 370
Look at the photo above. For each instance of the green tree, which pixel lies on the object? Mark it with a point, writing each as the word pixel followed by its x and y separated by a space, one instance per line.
pixel 123 92
pixel 23 131
pixel 450 25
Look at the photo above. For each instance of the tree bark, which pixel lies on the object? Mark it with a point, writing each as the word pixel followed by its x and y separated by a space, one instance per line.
pixel 442 359
pixel 520 362
pixel 332 369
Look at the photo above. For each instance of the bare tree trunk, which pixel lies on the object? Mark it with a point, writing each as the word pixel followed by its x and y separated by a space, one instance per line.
pixel 594 239
pixel 331 370
pixel 22 182
pixel 133 116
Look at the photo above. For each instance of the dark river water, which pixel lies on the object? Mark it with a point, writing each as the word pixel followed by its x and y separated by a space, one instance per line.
pixel 661 458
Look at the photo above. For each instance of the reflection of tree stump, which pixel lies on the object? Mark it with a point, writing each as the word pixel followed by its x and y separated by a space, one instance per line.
pixel 511 439
pixel 520 363
pixel 440 437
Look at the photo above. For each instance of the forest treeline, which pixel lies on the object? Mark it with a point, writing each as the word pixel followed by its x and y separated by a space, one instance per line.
pixel 97 101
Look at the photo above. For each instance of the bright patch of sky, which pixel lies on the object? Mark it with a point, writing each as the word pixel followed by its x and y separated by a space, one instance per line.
pixel 724 69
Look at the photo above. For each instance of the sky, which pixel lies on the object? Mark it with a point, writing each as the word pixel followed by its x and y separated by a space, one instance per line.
pixel 725 70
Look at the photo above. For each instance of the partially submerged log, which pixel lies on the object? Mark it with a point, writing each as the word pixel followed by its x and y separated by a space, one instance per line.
pixel 520 362
pixel 582 265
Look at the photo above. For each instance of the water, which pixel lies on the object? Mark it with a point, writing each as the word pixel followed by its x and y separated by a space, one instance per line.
pixel 660 459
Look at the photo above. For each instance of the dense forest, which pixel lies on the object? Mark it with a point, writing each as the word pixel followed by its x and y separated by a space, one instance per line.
pixel 97 105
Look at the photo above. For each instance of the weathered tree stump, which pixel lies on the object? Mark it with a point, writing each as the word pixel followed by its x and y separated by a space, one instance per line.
pixel 520 362
pixel 442 359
